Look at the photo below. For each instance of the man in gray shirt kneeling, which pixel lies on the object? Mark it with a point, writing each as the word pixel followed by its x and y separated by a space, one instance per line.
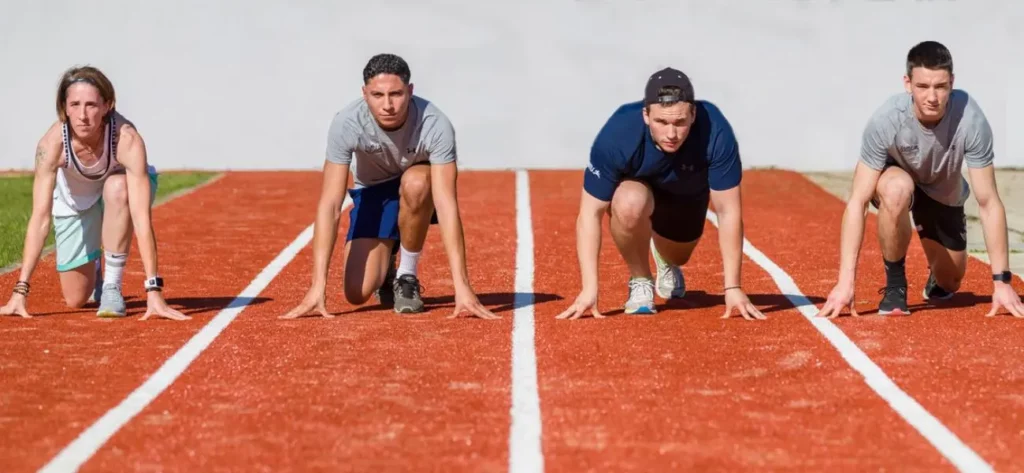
pixel 402 154
pixel 912 152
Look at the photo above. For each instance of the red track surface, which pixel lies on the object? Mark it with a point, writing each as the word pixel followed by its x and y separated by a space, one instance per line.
pixel 370 390
pixel 962 367
pixel 686 390
pixel 62 370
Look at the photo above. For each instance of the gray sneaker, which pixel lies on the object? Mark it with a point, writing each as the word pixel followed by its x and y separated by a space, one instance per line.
pixel 407 294
pixel 641 297
pixel 669 282
pixel 111 302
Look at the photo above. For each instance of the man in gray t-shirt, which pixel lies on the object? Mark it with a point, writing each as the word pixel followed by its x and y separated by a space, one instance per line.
pixel 401 152
pixel 912 154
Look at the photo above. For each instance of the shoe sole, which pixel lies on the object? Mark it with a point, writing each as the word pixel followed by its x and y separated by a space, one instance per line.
pixel 405 309
pixel 109 314
pixel 894 312
pixel 935 298
pixel 642 311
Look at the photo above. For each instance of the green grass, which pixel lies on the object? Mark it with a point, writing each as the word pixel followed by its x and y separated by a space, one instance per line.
pixel 16 195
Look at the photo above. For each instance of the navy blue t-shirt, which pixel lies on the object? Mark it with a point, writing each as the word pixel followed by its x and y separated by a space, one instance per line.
pixel 624 148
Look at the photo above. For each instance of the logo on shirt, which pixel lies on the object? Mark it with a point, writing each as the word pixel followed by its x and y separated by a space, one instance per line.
pixel 590 167
pixel 688 167
pixel 907 149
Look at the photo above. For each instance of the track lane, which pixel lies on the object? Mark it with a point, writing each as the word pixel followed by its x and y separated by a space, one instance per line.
pixel 65 368
pixel 959 365
pixel 686 390
pixel 368 390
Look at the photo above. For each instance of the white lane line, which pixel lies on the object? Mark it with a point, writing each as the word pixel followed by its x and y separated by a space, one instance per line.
pixel 525 454
pixel 944 440
pixel 89 441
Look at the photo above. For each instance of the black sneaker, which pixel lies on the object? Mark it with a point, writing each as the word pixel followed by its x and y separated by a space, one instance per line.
pixel 932 291
pixel 894 301
pixel 407 294
pixel 386 293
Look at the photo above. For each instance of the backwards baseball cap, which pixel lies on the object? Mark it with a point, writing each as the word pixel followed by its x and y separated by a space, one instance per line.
pixel 668 77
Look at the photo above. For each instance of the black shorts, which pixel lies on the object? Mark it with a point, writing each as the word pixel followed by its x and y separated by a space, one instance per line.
pixel 679 218
pixel 936 221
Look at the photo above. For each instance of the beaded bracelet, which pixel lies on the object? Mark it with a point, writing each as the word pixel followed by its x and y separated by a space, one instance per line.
pixel 22 287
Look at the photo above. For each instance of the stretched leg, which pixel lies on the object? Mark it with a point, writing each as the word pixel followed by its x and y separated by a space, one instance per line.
pixel 630 225
pixel 117 239
pixel 416 209
pixel 894 195
pixel 678 224
pixel 366 264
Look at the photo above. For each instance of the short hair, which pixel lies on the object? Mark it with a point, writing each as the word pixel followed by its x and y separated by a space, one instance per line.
pixel 929 55
pixel 386 64
pixel 89 75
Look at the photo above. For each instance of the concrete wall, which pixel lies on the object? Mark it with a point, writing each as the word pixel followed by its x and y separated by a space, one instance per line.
pixel 247 84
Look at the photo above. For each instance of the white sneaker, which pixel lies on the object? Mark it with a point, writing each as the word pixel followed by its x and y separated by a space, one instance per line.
pixel 641 297
pixel 669 282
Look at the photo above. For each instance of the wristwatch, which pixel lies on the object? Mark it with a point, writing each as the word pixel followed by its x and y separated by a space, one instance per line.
pixel 1004 276
pixel 155 283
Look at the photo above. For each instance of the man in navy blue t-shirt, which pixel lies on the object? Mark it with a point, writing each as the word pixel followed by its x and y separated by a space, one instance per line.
pixel 654 167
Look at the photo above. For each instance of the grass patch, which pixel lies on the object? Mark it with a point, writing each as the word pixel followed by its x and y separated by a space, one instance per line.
pixel 16 194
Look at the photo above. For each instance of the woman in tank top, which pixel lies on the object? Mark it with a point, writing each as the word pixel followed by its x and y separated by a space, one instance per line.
pixel 89 164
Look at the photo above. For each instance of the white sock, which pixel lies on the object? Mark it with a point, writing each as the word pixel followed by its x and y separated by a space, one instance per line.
pixel 407 262
pixel 115 268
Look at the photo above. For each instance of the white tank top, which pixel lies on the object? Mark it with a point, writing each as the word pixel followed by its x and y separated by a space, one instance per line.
pixel 79 187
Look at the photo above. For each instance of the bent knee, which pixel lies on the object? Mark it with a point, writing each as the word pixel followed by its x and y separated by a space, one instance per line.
pixel 632 204
pixel 115 190
pixel 896 191
pixel 356 293
pixel 76 301
pixel 415 188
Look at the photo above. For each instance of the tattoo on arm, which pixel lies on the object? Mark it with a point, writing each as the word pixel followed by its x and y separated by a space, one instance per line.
pixel 40 154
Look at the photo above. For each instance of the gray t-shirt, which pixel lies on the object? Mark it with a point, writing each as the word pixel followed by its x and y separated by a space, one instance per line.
pixel 377 155
pixel 933 157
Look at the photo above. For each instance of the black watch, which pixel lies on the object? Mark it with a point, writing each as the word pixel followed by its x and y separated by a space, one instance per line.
pixel 155 283
pixel 1004 276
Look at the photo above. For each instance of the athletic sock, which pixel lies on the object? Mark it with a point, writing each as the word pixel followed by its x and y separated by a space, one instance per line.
pixel 115 268
pixel 407 262
pixel 896 273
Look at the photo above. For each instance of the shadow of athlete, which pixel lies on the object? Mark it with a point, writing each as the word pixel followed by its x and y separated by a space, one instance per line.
pixel 402 153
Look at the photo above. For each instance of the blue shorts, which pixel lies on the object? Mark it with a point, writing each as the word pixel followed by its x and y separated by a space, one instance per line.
pixel 374 212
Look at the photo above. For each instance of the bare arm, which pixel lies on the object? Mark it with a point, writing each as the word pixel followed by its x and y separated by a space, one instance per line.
pixel 131 153
pixel 443 178
pixel 864 181
pixel 328 214
pixel 728 206
pixel 588 238
pixel 993 216
pixel 46 163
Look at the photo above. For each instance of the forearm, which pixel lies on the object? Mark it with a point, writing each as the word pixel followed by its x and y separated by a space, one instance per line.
pixel 588 248
pixel 730 242
pixel 850 240
pixel 35 239
pixel 325 235
pixel 454 243
pixel 146 239
pixel 993 221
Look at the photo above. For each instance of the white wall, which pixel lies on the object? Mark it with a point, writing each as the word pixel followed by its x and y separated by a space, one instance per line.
pixel 254 84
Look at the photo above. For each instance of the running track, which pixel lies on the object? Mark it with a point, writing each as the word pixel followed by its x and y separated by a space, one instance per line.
pixel 237 389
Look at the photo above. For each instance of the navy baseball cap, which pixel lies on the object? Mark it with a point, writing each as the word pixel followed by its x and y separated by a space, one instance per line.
pixel 668 77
